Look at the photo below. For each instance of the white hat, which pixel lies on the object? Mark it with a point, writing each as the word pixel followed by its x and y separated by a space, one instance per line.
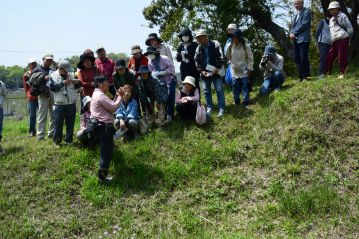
pixel 232 26
pixel 201 32
pixel 334 5
pixel 48 57
pixel 86 100
pixel 189 80
pixel 32 60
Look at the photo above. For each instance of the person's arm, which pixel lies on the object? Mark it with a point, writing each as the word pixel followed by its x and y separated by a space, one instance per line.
pixel 170 67
pixel 305 23
pixel 250 58
pixel 197 59
pixel 178 55
pixel 348 26
pixel 108 104
pixel 178 97
pixel 151 67
pixel 319 29
pixel 133 112
pixel 195 97
pixel 83 121
pixel 220 56
pixel 25 78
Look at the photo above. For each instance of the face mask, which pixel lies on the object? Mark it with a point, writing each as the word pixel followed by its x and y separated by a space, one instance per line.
pixel 151 56
pixel 185 38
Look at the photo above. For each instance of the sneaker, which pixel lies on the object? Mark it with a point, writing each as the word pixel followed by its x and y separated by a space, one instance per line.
pixel 221 113
pixel 169 119
pixel 321 76
pixel 50 135
pixel 209 111
pixel 245 103
pixel 341 76
pixel 40 138
pixel 276 90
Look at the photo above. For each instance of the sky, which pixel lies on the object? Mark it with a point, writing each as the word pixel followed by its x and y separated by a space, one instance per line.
pixel 66 28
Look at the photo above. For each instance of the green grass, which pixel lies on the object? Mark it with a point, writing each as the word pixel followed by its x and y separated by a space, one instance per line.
pixel 285 168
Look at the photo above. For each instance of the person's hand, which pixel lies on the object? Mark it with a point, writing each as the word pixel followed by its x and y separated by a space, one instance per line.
pixel 292 36
pixel 162 73
pixel 215 72
pixel 204 73
pixel 184 99
pixel 67 82
pixel 120 91
pixel 47 77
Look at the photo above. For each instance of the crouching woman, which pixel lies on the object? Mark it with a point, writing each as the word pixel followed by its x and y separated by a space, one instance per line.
pixel 187 99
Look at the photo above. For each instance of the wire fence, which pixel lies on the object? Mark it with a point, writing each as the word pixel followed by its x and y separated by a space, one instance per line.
pixel 16 106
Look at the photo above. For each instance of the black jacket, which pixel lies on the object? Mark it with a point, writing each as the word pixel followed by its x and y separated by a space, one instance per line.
pixel 215 53
pixel 188 68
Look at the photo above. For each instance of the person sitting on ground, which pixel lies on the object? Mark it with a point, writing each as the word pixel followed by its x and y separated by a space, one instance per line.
pixel 152 91
pixel 187 99
pixel 82 135
pixel 127 116
pixel 272 65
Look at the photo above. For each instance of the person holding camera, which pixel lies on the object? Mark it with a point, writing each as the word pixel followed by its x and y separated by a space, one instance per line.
pixel 272 65
pixel 63 85
pixel 102 112
pixel 241 57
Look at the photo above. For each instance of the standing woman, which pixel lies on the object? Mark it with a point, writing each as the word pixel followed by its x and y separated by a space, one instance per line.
pixel 102 109
pixel 185 54
pixel 86 73
pixel 154 41
pixel 32 100
pixel 163 69
pixel 324 41
pixel 241 57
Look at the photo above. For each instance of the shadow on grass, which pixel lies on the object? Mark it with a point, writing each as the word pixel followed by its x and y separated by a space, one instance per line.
pixel 136 176
pixel 11 150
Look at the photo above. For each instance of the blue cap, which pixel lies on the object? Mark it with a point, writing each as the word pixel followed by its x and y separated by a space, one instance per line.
pixel 143 70
pixel 269 50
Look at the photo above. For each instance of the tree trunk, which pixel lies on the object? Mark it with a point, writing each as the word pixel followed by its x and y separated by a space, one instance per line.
pixel 265 22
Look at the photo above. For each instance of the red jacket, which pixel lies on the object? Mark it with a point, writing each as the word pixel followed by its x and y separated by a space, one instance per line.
pixel 132 64
pixel 106 68
pixel 87 76
pixel 25 78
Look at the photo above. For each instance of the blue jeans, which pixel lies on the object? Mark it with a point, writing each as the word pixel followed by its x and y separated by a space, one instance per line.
pixel 33 106
pixel 273 82
pixel 218 85
pixel 240 84
pixel 170 105
pixel 1 120
pixel 67 114
pixel 302 59
pixel 323 52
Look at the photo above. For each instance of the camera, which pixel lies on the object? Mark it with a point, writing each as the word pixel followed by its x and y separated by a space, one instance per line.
pixel 265 59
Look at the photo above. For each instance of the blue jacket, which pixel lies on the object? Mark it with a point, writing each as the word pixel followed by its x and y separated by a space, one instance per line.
pixel 301 25
pixel 129 111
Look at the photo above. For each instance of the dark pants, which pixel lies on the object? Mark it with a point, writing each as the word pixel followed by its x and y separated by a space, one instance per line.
pixel 1 120
pixel 67 114
pixel 302 59
pixel 33 106
pixel 271 83
pixel 187 111
pixel 170 105
pixel 323 53
pixel 103 135
pixel 240 85
pixel 338 49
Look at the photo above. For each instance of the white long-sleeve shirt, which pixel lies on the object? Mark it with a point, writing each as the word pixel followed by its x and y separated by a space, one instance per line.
pixel 340 27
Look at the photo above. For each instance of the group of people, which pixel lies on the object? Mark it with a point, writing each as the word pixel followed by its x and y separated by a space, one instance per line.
pixel 333 38
pixel 127 98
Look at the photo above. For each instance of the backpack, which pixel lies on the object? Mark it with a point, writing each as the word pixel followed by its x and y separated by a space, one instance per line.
pixel 37 83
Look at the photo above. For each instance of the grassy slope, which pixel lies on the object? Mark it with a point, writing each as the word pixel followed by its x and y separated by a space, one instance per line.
pixel 287 167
